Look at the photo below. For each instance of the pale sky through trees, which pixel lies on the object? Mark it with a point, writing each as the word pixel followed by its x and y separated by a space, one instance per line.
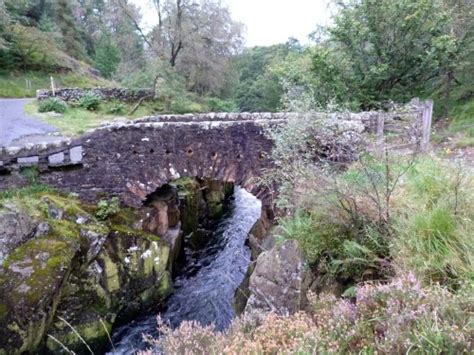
pixel 267 21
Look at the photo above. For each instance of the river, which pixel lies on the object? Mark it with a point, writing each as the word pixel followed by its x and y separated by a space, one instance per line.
pixel 206 284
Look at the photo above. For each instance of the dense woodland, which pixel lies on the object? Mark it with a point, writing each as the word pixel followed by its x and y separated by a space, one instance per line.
pixel 373 52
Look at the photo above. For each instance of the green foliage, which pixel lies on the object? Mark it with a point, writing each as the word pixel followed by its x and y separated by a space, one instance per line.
pixel 116 108
pixel 463 118
pixel 259 89
pixel 31 174
pixel 183 105
pixel 53 104
pixel 24 191
pixel 107 208
pixel 435 227
pixel 107 56
pixel 89 101
pixel 218 105
pixel 337 246
pixel 384 50
pixel 30 49
pixel 71 35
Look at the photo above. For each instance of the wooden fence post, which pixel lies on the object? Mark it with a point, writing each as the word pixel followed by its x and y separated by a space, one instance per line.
pixel 52 86
pixel 426 124
pixel 380 134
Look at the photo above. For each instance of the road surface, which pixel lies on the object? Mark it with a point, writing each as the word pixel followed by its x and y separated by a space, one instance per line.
pixel 17 127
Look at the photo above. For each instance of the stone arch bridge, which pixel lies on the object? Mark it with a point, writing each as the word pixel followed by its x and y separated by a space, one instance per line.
pixel 133 159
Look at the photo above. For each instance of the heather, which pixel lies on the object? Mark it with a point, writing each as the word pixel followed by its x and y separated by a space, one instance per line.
pixel 400 316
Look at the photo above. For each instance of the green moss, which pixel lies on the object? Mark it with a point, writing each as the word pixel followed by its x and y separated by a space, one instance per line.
pixel 94 332
pixel 3 311
pixel 112 278
pixel 124 217
pixel 125 230
pixel 42 261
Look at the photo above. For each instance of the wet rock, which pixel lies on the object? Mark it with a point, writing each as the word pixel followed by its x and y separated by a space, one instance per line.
pixel 280 281
pixel 174 236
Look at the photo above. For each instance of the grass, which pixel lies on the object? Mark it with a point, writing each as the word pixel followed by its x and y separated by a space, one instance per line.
pixel 435 223
pixel 465 142
pixel 14 84
pixel 463 118
pixel 77 120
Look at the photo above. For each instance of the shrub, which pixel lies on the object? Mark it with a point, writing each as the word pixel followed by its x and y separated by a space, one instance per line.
pixel 394 318
pixel 337 247
pixel 53 105
pixel 107 208
pixel 89 101
pixel 218 105
pixel 184 105
pixel 116 108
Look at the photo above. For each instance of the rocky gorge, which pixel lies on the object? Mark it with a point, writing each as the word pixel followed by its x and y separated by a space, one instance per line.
pixel 71 268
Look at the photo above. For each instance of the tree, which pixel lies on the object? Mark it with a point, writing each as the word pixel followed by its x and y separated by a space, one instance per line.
pixel 385 50
pixel 197 38
pixel 72 40
pixel 107 56
pixel 260 85
pixel 4 21
pixel 456 74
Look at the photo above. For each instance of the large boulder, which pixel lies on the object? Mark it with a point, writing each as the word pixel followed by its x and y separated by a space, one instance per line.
pixel 128 277
pixel 31 279
pixel 64 273
pixel 16 227
pixel 279 281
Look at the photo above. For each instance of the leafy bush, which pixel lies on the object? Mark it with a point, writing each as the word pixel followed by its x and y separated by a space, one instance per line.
pixel 218 105
pixel 395 318
pixel 116 108
pixel 53 105
pixel 107 208
pixel 90 101
pixel 184 105
pixel 336 246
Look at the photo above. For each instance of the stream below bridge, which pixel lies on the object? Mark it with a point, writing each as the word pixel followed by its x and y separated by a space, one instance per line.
pixel 205 286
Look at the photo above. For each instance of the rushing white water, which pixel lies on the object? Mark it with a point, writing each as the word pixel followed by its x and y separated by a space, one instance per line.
pixel 205 289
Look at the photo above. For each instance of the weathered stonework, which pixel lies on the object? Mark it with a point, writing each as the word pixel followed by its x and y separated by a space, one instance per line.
pixel 133 159
pixel 106 94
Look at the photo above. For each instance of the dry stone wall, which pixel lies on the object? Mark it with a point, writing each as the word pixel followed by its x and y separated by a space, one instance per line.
pixel 106 94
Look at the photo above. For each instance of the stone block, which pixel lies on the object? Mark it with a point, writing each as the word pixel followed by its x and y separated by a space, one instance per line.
pixel 28 161
pixel 56 159
pixel 75 154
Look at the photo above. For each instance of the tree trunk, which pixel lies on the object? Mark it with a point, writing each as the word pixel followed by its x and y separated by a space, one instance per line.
pixel 447 93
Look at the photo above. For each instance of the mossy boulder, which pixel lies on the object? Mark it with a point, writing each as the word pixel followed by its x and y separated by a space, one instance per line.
pixel 128 276
pixel 82 273
pixel 16 227
pixel 31 280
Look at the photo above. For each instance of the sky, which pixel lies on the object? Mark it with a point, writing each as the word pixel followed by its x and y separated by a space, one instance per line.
pixel 267 22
